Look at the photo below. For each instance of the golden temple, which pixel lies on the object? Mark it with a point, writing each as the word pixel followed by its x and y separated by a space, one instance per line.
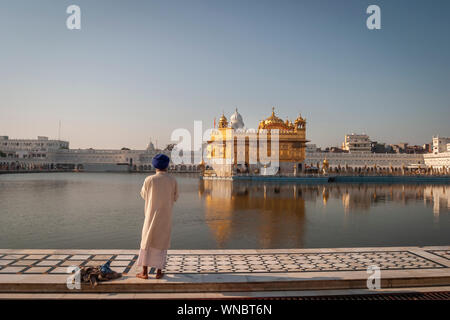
pixel 232 149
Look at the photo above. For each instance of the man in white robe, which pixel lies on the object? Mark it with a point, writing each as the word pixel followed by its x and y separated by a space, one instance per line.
pixel 159 191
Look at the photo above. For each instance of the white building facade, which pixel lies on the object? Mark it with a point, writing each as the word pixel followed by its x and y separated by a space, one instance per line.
pixel 56 154
pixel 30 154
pixel 364 159
pixel 440 157
pixel 31 148
pixel 440 161
pixel 356 143
pixel 440 144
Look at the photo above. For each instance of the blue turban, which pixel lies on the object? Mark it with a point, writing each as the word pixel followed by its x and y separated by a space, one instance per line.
pixel 161 161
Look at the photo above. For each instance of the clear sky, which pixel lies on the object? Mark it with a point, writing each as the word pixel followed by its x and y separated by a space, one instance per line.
pixel 140 69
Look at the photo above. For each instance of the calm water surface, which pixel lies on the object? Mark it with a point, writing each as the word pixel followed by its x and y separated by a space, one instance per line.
pixel 104 210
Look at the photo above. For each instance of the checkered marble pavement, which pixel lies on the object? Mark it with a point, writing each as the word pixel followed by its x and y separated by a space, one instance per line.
pixel 441 253
pixel 188 263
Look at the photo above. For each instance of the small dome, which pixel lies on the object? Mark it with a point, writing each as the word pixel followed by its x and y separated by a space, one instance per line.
pixel 223 122
pixel 150 147
pixel 273 122
pixel 236 121
pixel 273 118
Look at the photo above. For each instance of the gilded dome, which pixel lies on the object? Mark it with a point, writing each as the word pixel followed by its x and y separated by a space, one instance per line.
pixel 300 122
pixel 273 118
pixel 273 122
pixel 223 122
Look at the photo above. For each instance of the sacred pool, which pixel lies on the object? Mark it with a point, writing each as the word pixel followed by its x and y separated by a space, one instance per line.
pixel 104 210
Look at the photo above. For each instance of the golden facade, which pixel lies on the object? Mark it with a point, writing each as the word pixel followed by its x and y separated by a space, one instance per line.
pixel 233 149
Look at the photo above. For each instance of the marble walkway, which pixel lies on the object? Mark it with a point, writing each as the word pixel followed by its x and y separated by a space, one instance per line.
pixel 44 270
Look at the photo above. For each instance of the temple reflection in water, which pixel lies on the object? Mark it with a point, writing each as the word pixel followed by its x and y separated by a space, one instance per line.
pixel 277 212
pixel 274 213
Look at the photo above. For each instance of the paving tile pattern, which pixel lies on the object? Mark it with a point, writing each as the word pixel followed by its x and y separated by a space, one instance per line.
pixel 225 263
pixel 441 253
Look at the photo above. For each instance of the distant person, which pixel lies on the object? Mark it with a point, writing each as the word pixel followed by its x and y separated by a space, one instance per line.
pixel 159 191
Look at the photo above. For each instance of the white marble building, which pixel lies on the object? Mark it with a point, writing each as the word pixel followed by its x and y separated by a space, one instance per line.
pixel 30 148
pixel 438 161
pixel 440 157
pixel 361 160
pixel 53 154
pixel 356 143
pixel 440 144
pixel 114 160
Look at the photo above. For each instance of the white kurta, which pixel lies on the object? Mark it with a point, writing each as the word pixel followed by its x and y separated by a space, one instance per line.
pixel 159 191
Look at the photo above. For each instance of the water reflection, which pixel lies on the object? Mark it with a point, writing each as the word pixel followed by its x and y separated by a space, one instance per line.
pixel 230 207
pixel 439 196
pixel 272 213
pixel 105 211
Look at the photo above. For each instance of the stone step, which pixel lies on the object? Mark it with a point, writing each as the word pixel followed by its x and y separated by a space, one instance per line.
pixel 415 292
pixel 197 271
pixel 230 282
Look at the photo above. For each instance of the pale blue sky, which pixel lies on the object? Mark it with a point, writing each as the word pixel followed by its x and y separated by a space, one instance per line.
pixel 140 69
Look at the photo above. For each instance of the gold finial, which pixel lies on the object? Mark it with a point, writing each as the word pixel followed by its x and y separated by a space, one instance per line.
pixel 223 122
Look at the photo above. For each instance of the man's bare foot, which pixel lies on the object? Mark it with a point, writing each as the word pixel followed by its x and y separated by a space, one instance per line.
pixel 142 275
pixel 159 274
